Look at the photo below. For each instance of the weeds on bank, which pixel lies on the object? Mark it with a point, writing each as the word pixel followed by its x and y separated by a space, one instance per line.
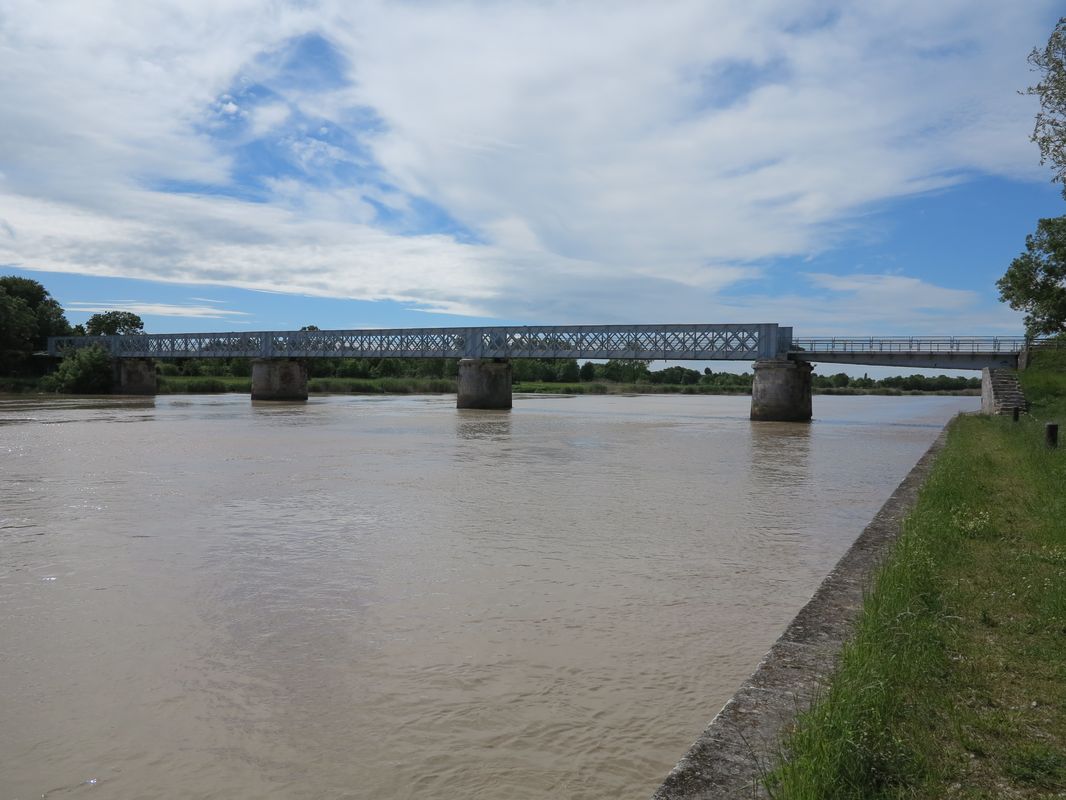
pixel 953 682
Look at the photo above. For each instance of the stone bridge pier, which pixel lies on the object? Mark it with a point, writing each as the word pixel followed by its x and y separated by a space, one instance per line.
pixel 781 391
pixel 134 376
pixel 279 379
pixel 484 383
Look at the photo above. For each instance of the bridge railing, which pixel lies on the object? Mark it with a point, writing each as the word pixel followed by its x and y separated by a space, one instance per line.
pixel 670 342
pixel 911 344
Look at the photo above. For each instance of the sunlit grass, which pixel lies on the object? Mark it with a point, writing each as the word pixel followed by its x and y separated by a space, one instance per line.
pixel 953 682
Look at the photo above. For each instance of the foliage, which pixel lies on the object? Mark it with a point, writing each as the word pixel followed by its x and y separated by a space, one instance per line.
pixel 28 316
pixel 1034 282
pixel 953 677
pixel 86 370
pixel 1049 133
pixel 18 328
pixel 112 323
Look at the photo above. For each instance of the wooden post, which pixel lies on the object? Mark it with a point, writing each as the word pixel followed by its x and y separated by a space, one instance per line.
pixel 1051 434
pixel 1016 412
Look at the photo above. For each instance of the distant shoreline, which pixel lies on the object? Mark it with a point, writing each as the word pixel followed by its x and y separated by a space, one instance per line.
pixel 409 386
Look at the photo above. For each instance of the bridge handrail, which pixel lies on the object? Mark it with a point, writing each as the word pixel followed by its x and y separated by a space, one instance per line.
pixel 911 344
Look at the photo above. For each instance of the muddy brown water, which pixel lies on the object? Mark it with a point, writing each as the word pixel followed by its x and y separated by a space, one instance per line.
pixel 203 597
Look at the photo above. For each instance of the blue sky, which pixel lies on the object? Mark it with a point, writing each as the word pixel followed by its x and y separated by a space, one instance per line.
pixel 214 166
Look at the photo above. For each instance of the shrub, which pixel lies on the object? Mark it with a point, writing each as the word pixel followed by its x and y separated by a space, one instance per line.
pixel 87 370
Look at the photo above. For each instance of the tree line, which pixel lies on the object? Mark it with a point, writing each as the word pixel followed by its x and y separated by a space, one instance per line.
pixel 558 371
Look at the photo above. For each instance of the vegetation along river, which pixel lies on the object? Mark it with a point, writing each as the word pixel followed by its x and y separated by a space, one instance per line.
pixel 388 598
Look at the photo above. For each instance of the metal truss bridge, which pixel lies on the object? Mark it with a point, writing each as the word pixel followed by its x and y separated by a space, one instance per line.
pixel 737 342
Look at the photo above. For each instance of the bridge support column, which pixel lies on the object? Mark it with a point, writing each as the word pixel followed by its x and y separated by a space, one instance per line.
pixel 781 391
pixel 484 383
pixel 279 379
pixel 134 376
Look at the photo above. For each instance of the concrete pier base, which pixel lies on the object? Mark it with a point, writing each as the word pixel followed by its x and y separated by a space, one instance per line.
pixel 484 384
pixel 279 379
pixel 781 391
pixel 134 376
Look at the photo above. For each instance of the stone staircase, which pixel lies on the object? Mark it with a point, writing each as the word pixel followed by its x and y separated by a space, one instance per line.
pixel 1000 392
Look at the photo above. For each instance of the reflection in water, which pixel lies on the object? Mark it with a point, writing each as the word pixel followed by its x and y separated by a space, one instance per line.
pixel 491 425
pixel 780 456
pixel 363 597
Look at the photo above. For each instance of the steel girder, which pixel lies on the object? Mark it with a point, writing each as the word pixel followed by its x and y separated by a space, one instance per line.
pixel 672 342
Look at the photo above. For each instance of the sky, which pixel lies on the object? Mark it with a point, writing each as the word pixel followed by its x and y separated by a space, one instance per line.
pixel 845 168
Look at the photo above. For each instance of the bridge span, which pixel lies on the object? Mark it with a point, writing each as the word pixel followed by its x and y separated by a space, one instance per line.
pixel 782 364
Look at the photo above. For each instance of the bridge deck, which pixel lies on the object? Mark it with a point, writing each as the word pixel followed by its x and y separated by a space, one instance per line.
pixel 726 342
pixel 936 352
pixel 671 342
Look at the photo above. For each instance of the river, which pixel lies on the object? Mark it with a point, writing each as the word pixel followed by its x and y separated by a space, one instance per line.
pixel 202 597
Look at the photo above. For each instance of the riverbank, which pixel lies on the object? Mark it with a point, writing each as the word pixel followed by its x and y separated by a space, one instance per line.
pixel 952 683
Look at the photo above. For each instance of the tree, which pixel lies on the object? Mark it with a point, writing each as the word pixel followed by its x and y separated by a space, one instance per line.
pixel 18 328
pixel 1049 133
pixel 86 370
pixel 588 371
pixel 50 320
pixel 626 370
pixel 111 323
pixel 1035 282
pixel 28 316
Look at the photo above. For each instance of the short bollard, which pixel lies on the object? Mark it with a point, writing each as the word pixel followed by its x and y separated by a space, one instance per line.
pixel 1017 411
pixel 1051 434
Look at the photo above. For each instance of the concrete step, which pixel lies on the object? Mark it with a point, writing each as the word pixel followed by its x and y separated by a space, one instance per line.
pixel 1006 392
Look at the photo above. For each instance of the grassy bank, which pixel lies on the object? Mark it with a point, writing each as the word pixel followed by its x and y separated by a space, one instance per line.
pixel 606 387
pixel 206 385
pixel 954 682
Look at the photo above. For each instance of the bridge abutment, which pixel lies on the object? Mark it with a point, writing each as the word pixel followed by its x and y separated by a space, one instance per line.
pixel 134 376
pixel 781 391
pixel 279 379
pixel 484 383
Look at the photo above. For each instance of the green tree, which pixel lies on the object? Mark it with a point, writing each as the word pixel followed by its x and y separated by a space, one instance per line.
pixel 588 371
pixel 48 314
pixel 1049 133
pixel 86 370
pixel 626 370
pixel 111 323
pixel 1035 282
pixel 567 371
pixel 18 328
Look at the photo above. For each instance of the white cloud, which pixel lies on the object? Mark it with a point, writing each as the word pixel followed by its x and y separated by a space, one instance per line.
pixel 612 160
pixel 893 291
pixel 266 118
pixel 155 309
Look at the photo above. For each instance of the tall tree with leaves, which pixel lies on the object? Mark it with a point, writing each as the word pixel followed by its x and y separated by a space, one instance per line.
pixel 110 323
pixel 48 314
pixel 28 316
pixel 1049 133
pixel 1035 282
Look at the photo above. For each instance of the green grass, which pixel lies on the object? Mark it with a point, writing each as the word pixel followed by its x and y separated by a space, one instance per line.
pixel 180 384
pixel 540 387
pixel 15 385
pixel 188 384
pixel 954 683
pixel 382 385
pixel 607 387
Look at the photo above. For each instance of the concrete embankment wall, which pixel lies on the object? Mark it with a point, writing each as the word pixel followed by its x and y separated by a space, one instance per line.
pixel 743 741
